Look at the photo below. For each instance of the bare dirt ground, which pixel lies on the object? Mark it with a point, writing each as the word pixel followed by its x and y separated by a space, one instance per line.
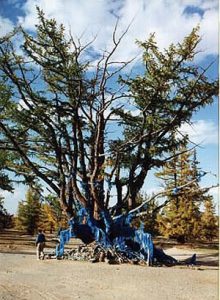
pixel 23 277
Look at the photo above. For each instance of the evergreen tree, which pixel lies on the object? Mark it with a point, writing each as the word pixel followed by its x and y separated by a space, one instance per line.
pixel 180 218
pixel 29 212
pixel 209 221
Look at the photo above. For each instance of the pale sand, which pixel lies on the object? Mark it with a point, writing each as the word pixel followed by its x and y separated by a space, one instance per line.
pixel 23 277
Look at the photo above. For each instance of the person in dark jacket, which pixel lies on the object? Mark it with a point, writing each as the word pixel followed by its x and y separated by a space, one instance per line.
pixel 40 244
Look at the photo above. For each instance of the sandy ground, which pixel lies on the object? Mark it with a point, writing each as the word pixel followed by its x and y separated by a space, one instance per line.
pixel 23 277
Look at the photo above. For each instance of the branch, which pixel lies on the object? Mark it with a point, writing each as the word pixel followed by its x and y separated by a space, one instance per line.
pixel 26 159
pixel 163 193
pixel 204 190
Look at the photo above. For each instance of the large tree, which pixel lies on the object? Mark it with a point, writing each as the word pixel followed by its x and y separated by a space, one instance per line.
pixel 64 100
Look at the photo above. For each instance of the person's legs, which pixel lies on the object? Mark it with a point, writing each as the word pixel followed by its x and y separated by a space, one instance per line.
pixel 38 251
pixel 42 245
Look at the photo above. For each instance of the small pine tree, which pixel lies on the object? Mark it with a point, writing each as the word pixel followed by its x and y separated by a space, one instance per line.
pixel 29 212
pixel 181 218
pixel 209 229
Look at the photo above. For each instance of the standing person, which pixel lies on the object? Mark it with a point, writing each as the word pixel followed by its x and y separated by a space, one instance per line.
pixel 40 244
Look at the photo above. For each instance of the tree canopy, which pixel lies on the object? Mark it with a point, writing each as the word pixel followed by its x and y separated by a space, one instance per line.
pixel 61 108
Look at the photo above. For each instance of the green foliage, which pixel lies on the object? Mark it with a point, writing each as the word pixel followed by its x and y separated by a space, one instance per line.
pixel 32 214
pixel 5 182
pixel 29 212
pixel 5 217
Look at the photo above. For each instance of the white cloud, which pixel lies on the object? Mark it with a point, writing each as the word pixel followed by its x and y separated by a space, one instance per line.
pixel 167 18
pixel 209 31
pixel 201 131
pixel 5 26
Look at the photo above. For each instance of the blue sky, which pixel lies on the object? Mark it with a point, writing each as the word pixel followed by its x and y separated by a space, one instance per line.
pixel 170 20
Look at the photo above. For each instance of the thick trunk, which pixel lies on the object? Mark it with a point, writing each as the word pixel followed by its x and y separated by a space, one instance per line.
pixel 70 195
pixel 134 188
pixel 132 200
pixel 65 206
pixel 119 196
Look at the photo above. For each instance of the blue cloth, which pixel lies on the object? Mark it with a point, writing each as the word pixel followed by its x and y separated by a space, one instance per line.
pixel 115 233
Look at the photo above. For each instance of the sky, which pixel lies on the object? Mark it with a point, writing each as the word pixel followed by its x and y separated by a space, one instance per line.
pixel 171 20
